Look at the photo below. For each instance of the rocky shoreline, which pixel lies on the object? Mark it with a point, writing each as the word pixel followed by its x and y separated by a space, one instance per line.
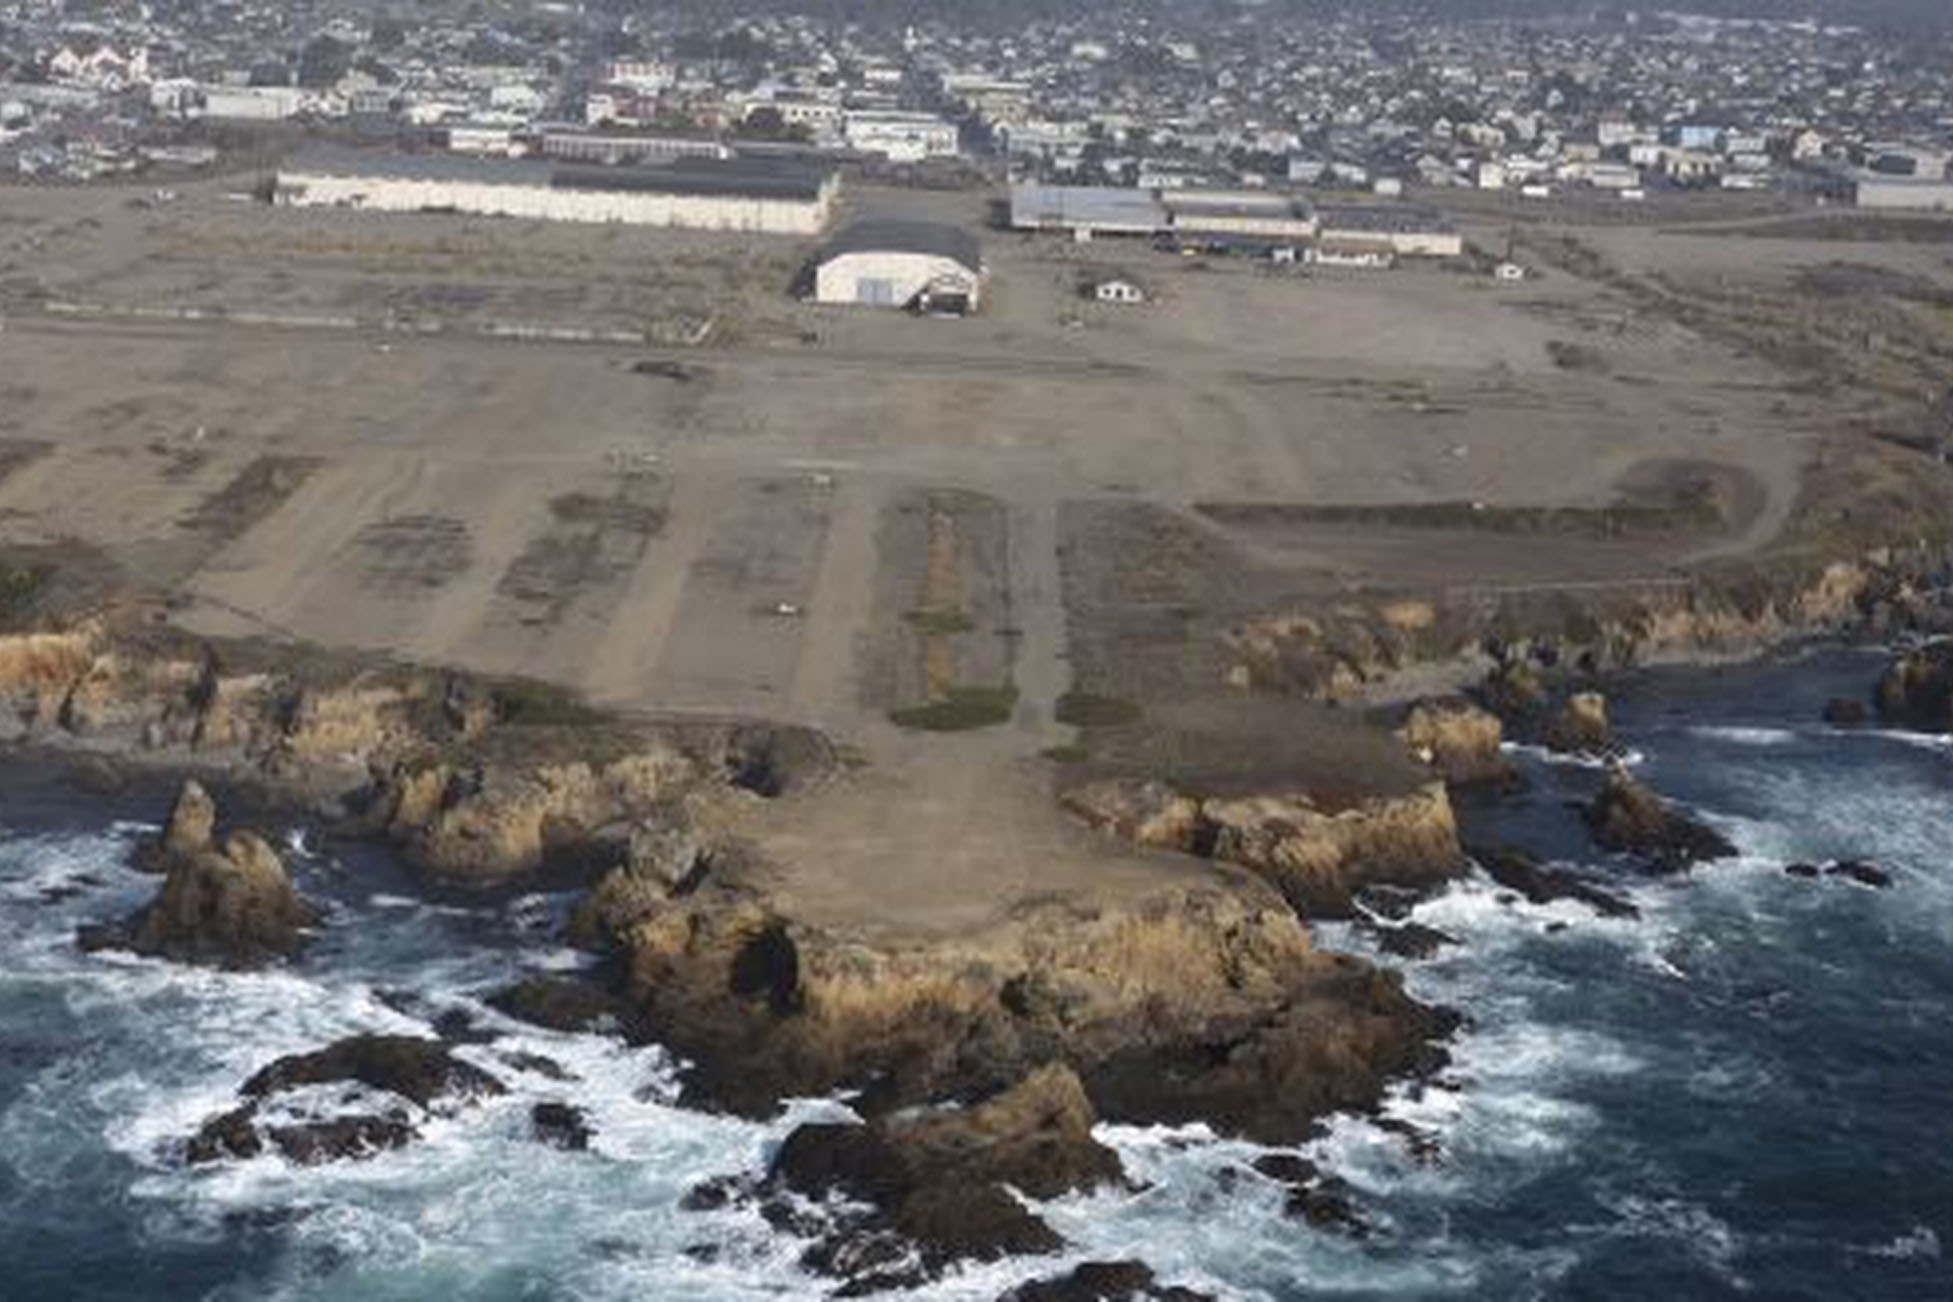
pixel 1197 1002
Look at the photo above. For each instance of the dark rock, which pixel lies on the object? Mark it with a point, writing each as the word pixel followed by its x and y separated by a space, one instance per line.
pixel 1916 690
pixel 1863 873
pixel 561 1125
pixel 791 1216
pixel 538 1064
pixel 341 1138
pixel 938 1184
pixel 1412 940
pixel 1845 712
pixel 1332 1048
pixel 1103 1281
pixel 1320 1200
pixel 1287 1168
pixel 718 1192
pixel 702 1253
pixel 236 1134
pixel 1513 691
pixel 1392 902
pixel 416 1069
pixel 1422 1145
pixel 1517 871
pixel 1801 869
pixel 1627 818
pixel 563 1003
pixel 229 1134
pixel 458 1026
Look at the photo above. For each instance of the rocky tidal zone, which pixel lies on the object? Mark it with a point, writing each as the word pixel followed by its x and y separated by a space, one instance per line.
pixel 979 1067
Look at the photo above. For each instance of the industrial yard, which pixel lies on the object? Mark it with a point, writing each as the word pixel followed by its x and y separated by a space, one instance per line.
pixel 834 515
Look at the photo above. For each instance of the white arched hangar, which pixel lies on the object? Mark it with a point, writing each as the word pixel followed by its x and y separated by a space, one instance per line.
pixel 922 266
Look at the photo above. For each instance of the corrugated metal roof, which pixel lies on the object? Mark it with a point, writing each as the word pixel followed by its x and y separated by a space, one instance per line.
pixel 1376 217
pixel 1102 207
pixel 889 235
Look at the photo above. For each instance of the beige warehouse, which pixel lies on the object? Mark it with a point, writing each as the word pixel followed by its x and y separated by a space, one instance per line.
pixel 757 195
pixel 927 266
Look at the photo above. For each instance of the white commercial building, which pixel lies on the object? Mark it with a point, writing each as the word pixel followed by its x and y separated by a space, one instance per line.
pixel 903 137
pixel 901 264
pixel 1904 193
pixel 774 197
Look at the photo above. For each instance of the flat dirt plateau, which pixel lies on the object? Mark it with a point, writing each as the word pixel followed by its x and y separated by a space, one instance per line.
pixel 322 427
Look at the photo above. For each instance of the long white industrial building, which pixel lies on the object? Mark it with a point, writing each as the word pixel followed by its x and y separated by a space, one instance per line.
pixel 773 196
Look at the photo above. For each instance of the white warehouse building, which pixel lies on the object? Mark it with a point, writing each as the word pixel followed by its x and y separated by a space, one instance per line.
pixel 901 137
pixel 772 196
pixel 926 266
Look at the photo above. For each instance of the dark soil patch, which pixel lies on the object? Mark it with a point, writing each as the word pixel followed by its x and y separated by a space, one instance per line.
pixel 252 495
pixel 412 554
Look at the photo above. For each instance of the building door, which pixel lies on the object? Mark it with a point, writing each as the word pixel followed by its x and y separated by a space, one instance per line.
pixel 875 291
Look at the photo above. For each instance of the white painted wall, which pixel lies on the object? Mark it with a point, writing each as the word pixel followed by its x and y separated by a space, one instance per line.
pixel 885 279
pixel 494 199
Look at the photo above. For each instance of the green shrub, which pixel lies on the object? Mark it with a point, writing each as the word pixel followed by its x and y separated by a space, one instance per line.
pixel 1088 710
pixel 960 710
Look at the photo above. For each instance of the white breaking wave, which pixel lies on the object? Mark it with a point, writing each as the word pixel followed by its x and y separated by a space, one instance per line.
pixel 1742 736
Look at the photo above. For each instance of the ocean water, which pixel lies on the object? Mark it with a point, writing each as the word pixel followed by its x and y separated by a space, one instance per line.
pixel 1747 1093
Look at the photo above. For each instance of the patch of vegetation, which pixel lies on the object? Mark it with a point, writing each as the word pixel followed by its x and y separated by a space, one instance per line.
pixel 939 621
pixel 960 709
pixel 1570 356
pixel 526 702
pixel 20 591
pixel 1090 710
pixel 1066 754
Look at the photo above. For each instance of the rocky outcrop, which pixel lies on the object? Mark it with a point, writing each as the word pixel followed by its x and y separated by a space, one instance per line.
pixel 305 1142
pixel 485 822
pixel 1514 690
pixel 1197 1002
pixel 189 830
pixel 943 1187
pixel 1104 1281
pixel 1325 1050
pixel 564 1003
pixel 1314 1196
pixel 1143 811
pixel 1459 741
pixel 1411 940
pixel 561 1125
pixel 1916 689
pixel 1318 855
pixel 1519 872
pixel 1857 870
pixel 657 862
pixel 424 1073
pixel 419 1070
pixel 230 907
pixel 1627 818
pixel 1581 727
pixel 1845 712
pixel 1354 650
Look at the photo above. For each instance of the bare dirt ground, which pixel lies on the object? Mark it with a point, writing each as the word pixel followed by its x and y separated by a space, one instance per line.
pixel 824 515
